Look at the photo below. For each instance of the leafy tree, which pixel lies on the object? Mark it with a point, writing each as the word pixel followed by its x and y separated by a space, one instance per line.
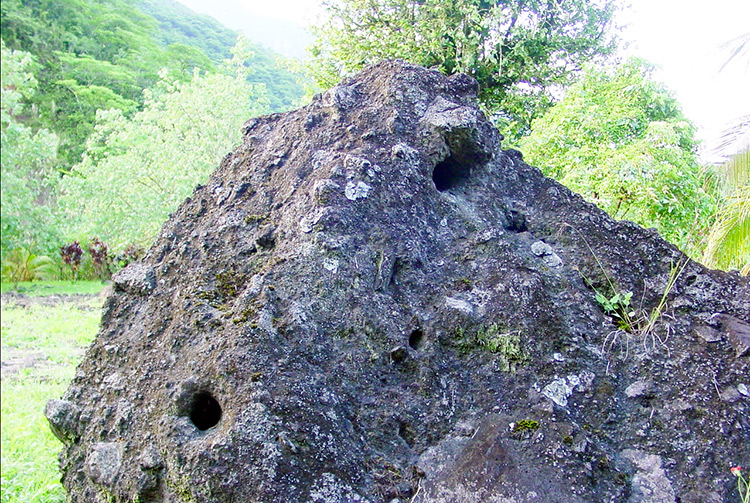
pixel 728 244
pixel 101 54
pixel 136 171
pixel 94 54
pixel 71 108
pixel 519 51
pixel 27 159
pixel 620 139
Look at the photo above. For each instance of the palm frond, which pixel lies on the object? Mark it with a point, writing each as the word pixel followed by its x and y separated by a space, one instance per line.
pixel 739 46
pixel 728 244
pixel 734 139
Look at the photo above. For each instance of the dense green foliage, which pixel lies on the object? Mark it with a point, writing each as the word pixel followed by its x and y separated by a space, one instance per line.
pixel 620 139
pixel 93 54
pixel 101 54
pixel 179 25
pixel 136 171
pixel 728 244
pixel 21 265
pixel 78 77
pixel 26 157
pixel 518 51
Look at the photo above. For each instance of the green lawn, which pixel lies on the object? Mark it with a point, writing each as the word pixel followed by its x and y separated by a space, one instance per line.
pixel 42 288
pixel 41 346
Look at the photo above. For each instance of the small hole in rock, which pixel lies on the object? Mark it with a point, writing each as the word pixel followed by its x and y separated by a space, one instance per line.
pixel 205 411
pixel 406 432
pixel 449 174
pixel 398 265
pixel 415 339
pixel 516 221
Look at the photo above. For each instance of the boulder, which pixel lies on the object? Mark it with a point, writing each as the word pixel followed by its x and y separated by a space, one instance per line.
pixel 371 301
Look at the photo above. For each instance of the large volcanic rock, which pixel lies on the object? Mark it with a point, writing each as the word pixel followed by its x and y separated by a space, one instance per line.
pixel 370 301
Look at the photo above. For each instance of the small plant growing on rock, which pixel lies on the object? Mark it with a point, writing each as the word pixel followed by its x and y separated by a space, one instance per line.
pixel 524 428
pixel 640 322
pixel 743 484
pixel 132 253
pixel 525 425
pixel 228 284
pixel 618 306
pixel 496 341
pixel 629 320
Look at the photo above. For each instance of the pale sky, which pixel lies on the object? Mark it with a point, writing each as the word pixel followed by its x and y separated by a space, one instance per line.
pixel 682 37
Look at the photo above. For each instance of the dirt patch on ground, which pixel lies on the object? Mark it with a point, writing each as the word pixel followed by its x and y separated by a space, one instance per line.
pixel 16 359
pixel 81 300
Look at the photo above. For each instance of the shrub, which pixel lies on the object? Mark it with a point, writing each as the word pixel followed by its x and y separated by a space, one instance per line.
pixel 22 265
pixel 71 255
pixel 100 258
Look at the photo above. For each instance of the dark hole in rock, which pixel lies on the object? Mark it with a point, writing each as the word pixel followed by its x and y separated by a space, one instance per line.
pixel 449 174
pixel 416 339
pixel 406 432
pixel 399 354
pixel 516 221
pixel 266 240
pixel 398 265
pixel 205 411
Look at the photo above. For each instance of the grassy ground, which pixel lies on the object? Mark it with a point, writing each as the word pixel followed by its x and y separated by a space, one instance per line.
pixel 42 288
pixel 41 346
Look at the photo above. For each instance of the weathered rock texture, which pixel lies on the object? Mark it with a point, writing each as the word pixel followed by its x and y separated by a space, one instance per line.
pixel 370 301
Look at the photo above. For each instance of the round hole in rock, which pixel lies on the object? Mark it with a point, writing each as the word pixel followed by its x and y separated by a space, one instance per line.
pixel 415 339
pixel 205 411
pixel 449 174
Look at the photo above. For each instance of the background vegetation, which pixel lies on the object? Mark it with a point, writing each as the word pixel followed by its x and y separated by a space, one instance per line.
pixel 105 105
pixel 620 139
pixel 113 110
pixel 519 52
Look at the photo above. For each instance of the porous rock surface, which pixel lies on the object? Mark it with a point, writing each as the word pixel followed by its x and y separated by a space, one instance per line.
pixel 370 301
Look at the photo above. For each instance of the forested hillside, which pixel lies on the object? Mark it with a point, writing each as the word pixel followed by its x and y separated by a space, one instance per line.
pixel 99 54
pixel 112 111
pixel 179 25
